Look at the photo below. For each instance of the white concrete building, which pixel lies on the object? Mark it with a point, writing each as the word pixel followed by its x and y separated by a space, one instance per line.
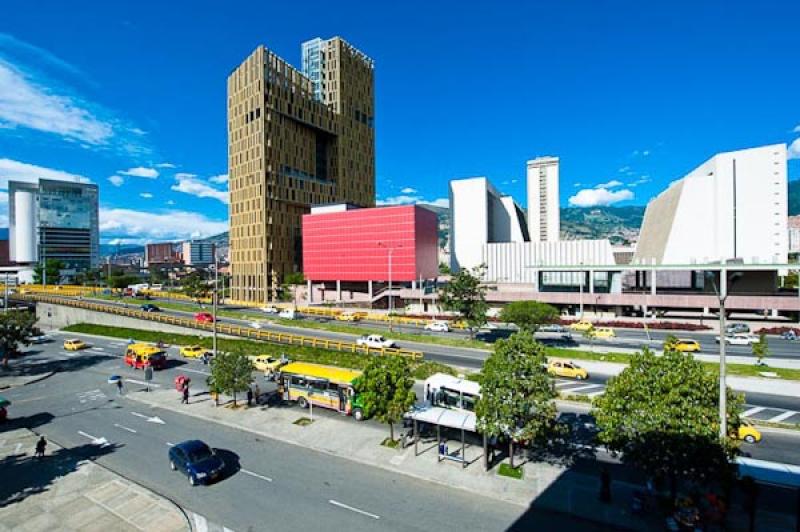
pixel 794 234
pixel 544 219
pixel 733 206
pixel 480 215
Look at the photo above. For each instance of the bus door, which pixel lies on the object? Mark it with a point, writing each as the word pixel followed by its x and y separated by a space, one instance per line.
pixel 342 394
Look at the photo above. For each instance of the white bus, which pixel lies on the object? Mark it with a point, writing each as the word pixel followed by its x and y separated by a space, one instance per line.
pixel 451 392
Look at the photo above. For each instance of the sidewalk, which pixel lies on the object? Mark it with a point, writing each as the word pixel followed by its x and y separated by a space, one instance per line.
pixel 67 491
pixel 10 380
pixel 545 485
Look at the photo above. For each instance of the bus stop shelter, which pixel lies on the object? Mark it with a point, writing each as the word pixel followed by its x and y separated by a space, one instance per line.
pixel 459 420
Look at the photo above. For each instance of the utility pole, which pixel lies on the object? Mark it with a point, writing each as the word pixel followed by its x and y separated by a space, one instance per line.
pixel 723 395
pixel 5 299
pixel 44 259
pixel 216 295
pixel 390 289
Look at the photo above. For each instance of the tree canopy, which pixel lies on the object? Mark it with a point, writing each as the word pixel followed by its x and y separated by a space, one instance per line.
pixel 385 389
pixel 194 285
pixel 16 329
pixel 529 315
pixel 465 295
pixel 52 269
pixel 232 373
pixel 662 415
pixel 516 392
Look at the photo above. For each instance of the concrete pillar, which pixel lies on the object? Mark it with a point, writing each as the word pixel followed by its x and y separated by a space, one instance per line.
pixel 774 313
pixel 369 290
pixel 644 310
pixel 338 290
pixel 414 284
pixel 653 276
pixel 591 281
pixel 309 293
pixel 706 311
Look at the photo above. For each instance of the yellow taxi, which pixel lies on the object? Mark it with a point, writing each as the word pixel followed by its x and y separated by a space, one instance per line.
pixel 268 364
pixel 570 370
pixel 73 344
pixel 748 433
pixel 193 351
pixel 348 316
pixel 604 332
pixel 581 326
pixel 687 346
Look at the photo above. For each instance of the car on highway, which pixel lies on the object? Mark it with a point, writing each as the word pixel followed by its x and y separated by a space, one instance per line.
pixel 739 339
pixel 555 328
pixel 570 370
pixel 73 344
pixel 257 324
pixel 685 345
pixel 268 364
pixel 437 326
pixel 194 351
pixel 748 433
pixel 581 326
pixel 348 316
pixel 270 309
pixel 736 328
pixel 40 338
pixel 603 332
pixel 149 307
pixel 375 341
pixel 287 314
pixel 196 460
pixel 203 317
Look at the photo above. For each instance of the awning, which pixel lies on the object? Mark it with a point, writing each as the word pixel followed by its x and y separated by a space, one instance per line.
pixel 436 415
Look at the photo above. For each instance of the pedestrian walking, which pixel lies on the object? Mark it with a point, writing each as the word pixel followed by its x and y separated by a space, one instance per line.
pixel 249 397
pixel 120 387
pixel 40 446
pixel 257 394
pixel 185 399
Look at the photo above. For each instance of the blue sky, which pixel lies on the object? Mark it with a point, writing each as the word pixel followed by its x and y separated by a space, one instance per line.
pixel 630 95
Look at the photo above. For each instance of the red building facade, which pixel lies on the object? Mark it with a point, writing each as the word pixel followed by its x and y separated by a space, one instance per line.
pixel 352 244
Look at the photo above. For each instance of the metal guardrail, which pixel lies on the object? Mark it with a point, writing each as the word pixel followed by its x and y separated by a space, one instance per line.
pixel 223 328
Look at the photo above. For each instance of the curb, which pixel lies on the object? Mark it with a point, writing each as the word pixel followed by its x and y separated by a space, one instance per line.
pixel 37 379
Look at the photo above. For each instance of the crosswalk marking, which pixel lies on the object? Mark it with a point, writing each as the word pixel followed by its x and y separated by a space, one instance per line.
pixel 595 394
pixel 781 417
pixel 753 411
pixel 579 388
pixel 559 384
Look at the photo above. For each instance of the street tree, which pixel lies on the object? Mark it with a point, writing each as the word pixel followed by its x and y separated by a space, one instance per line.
pixel 661 415
pixel 16 329
pixel 385 389
pixel 231 373
pixel 517 394
pixel 760 349
pixel 465 294
pixel 122 281
pixel 529 315
pixel 52 269
pixel 194 285
pixel 670 343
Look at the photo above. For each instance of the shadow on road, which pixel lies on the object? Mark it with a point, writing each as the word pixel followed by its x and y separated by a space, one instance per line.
pixel 231 461
pixel 26 422
pixel 25 475
pixel 26 366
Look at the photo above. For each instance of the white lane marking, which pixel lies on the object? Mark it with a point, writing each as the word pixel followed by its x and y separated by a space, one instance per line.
pixel 579 388
pixel 200 523
pixel 150 419
pixel 356 510
pixel 595 394
pixel 151 384
pixel 96 441
pixel 262 477
pixel 170 444
pixel 559 384
pixel 196 371
pixel 781 417
pixel 123 427
pixel 97 349
pixel 753 411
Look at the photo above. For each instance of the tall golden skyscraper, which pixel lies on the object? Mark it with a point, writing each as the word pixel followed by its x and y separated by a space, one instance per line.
pixel 296 138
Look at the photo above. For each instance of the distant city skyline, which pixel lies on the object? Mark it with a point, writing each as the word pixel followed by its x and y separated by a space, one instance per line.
pixel 628 98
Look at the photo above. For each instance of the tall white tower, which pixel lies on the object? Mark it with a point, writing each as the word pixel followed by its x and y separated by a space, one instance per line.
pixel 544 219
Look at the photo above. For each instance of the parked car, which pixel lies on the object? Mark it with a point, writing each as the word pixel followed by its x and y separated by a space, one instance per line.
pixel 270 309
pixel 375 341
pixel 437 326
pixel 196 460
pixel 149 307
pixel 570 370
pixel 736 328
pixel 739 339
pixel 287 314
pixel 203 317
pixel 194 351
pixel 73 344
pixel 687 346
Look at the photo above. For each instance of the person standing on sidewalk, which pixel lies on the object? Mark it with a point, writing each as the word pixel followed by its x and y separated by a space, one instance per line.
pixel 185 399
pixel 120 388
pixel 40 446
pixel 249 397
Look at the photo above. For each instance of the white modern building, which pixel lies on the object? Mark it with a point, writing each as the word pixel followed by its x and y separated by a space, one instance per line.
pixel 733 206
pixel 794 234
pixel 544 219
pixel 479 214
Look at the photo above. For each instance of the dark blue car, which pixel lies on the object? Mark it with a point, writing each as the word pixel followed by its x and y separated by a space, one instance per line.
pixel 197 460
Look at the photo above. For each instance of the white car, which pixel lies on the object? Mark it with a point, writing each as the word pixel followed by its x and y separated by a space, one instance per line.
pixel 740 339
pixel 287 314
pixel 376 341
pixel 437 326
pixel 40 339
pixel 270 309
pixel 256 325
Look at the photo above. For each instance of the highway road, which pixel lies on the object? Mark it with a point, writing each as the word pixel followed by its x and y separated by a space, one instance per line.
pixel 276 485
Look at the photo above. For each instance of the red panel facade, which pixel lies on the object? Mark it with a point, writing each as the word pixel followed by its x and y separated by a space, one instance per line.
pixel 354 245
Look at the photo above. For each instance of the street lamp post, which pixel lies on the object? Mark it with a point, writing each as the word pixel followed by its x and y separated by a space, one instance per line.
pixel 390 250
pixel 216 296
pixel 722 295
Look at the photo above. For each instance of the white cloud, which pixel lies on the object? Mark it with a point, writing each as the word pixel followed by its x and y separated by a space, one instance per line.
pixel 116 180
pixel 19 171
pixel 188 184
pixel 407 199
pixel 146 195
pixel 439 202
pixel 513 181
pixel 167 225
pixel 219 179
pixel 794 150
pixel 409 190
pixel 611 184
pixel 140 171
pixel 592 197
pixel 166 165
pixel 646 152
pixel 170 202
pixel 624 169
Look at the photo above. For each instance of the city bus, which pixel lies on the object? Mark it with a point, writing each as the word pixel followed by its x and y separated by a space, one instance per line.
pixel 451 392
pixel 326 386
